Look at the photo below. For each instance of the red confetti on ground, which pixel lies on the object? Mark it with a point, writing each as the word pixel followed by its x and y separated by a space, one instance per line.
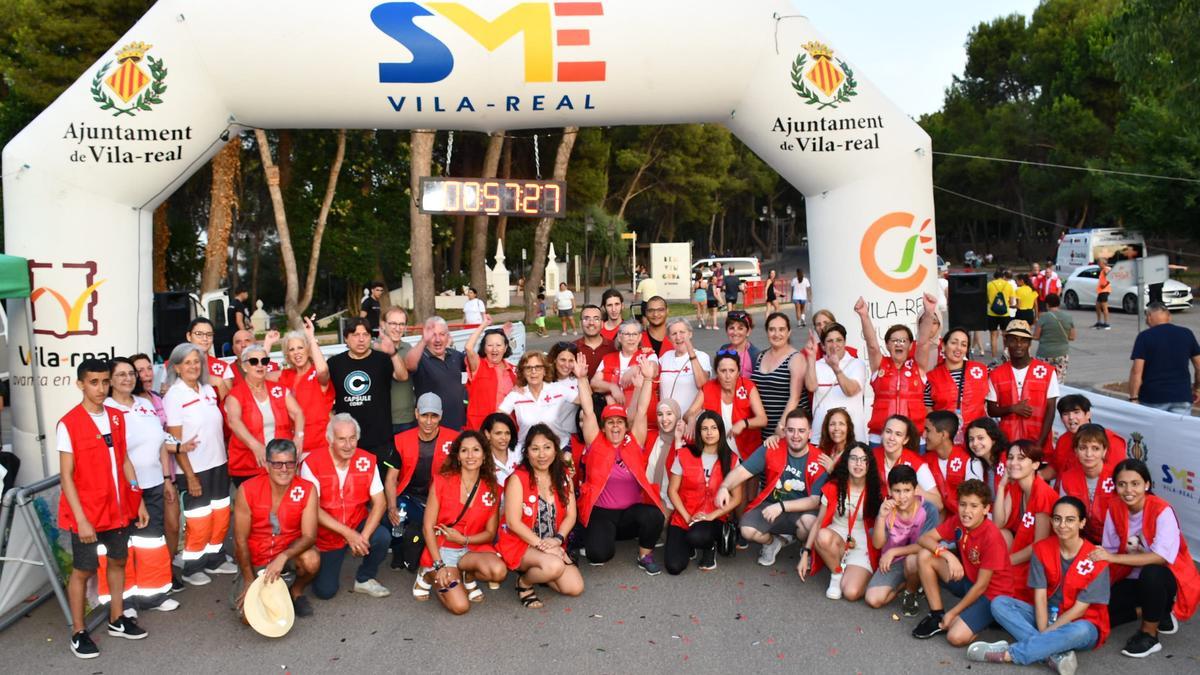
pixel 695 620
pixel 567 610
pixel 741 584
pixel 739 599
pixel 619 623
pixel 685 657
pixel 687 640
pixel 623 587
pixel 779 656
pixel 633 588
pixel 859 629
pixel 833 651
pixel 770 640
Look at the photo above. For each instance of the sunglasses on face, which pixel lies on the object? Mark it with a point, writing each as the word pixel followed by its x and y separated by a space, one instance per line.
pixel 256 361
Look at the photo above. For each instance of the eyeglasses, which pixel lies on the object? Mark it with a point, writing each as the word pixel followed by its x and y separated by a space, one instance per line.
pixel 899 341
pixel 655 310
pixel 531 367
pixel 396 324
pixel 628 334
pixel 255 361
pixel 728 352
pixel 856 459
pixel 202 333
pixel 290 464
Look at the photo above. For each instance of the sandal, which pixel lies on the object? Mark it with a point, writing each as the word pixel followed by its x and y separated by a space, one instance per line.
pixel 472 587
pixel 422 586
pixel 528 597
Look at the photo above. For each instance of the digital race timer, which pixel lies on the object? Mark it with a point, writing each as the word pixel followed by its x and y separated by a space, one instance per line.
pixel 493 197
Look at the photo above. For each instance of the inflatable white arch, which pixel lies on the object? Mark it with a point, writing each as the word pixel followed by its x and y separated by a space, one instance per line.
pixel 81 182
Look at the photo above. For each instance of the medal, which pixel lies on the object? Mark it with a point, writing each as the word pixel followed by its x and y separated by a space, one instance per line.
pixel 849 543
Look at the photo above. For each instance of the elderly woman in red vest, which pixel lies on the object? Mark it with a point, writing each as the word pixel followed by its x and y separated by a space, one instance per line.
pixel 696 474
pixel 898 375
pixel 1152 568
pixel 958 384
pixel 539 512
pixel 736 400
pixel 461 518
pixel 257 412
pixel 1069 610
pixel 306 375
pixel 489 376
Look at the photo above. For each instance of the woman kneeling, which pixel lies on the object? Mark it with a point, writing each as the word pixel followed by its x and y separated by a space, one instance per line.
pixel 696 475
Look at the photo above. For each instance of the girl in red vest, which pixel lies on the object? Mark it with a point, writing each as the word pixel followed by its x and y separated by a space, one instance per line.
pixel 736 400
pixel 307 377
pixel 539 512
pixel 1023 505
pixel 696 475
pixel 986 444
pixel 897 375
pixel 899 447
pixel 958 384
pixel 663 443
pixel 489 376
pixel 257 412
pixel 849 503
pixel 1089 480
pixel 461 518
pixel 1069 610
pixel 1152 568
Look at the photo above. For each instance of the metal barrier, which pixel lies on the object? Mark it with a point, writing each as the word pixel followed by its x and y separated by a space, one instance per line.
pixel 21 526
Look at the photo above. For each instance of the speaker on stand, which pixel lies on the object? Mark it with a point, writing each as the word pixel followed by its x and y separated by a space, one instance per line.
pixel 968 300
pixel 172 313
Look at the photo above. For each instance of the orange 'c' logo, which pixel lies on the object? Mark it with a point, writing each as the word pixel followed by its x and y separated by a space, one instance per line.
pixel 867 253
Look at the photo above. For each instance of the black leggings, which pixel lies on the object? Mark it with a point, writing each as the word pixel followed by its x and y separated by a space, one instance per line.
pixel 681 543
pixel 1153 591
pixel 606 527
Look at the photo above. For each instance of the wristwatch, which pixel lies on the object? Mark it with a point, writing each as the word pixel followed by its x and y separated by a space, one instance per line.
pixel 437 565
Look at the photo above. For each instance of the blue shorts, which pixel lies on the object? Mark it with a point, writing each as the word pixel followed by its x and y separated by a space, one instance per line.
pixel 451 556
pixel 979 615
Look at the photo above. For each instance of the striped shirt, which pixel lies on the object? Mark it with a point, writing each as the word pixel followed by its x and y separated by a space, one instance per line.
pixel 775 388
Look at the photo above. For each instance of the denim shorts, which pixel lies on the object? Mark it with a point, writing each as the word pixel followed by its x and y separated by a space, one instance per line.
pixel 979 615
pixel 451 556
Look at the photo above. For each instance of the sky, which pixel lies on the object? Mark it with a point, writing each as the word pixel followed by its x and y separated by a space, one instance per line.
pixel 910 50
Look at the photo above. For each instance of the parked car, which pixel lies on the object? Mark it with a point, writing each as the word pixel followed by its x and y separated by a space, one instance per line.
pixel 1080 291
pixel 746 269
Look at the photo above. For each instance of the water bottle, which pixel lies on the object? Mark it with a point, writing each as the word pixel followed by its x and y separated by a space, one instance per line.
pixel 1053 613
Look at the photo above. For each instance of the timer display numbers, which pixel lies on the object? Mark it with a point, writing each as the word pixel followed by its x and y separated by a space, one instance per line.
pixel 493 197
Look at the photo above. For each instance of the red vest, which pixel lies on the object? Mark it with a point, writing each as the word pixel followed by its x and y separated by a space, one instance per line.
pixel 612 375
pixel 315 402
pixel 1037 383
pixel 483 506
pixel 1080 573
pixel 598 461
pixel 974 391
pixel 667 345
pixel 349 503
pixel 696 493
pixel 899 390
pixel 241 458
pixel 749 440
pixel 1074 483
pixel 481 391
pixel 777 460
pixel 408 446
pixel 830 492
pixel 106 506
pixel 512 548
pixel 1023 526
pixel 264 544
pixel 1064 458
pixel 907 458
pixel 956 471
pixel 1187 580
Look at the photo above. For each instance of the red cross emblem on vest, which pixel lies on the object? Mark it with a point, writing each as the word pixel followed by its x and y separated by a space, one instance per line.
pixel 1039 371
pixel 1085 566
pixel 488 498
pixel 1107 485
pixel 1027 519
pixel 976 373
pixel 296 494
pixel 741 393
pixel 276 392
pixel 362 464
pixel 956 464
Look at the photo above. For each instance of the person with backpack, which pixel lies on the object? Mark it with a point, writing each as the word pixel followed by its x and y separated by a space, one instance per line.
pixel 1000 298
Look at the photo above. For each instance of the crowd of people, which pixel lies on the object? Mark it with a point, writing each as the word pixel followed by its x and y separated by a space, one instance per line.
pixel 946 482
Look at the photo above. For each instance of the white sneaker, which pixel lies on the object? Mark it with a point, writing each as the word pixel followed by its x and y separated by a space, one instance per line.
pixel 197 579
pixel 1063 664
pixel 168 605
pixel 834 592
pixel 766 557
pixel 372 588
pixel 225 567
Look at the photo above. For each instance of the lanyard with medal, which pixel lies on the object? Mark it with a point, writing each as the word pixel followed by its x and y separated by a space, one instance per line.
pixel 850 542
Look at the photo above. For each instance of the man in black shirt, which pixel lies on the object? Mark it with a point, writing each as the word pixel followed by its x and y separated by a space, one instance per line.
pixel 438 367
pixel 362 381
pixel 370 307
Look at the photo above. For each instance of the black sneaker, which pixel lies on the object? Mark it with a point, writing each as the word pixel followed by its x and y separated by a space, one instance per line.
pixel 909 605
pixel 1169 625
pixel 302 606
pixel 177 585
pixel 742 544
pixel 83 647
pixel 931 625
pixel 708 559
pixel 127 628
pixel 647 563
pixel 1141 645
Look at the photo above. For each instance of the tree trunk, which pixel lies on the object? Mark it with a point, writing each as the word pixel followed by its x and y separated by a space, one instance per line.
pixel 295 301
pixel 541 234
pixel 479 235
pixel 162 242
pixel 456 244
pixel 255 261
pixel 505 172
pixel 712 228
pixel 634 188
pixel 421 242
pixel 225 165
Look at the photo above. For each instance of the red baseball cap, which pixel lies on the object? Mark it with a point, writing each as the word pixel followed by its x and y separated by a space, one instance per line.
pixel 612 410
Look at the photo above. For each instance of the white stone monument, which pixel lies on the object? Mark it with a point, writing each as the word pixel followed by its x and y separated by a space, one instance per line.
pixel 498 290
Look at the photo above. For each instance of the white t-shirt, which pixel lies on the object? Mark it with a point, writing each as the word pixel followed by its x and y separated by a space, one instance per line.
pixel 678 377
pixel 200 416
pixel 925 478
pixel 648 288
pixel 800 289
pixel 144 438
pixel 103 426
pixel 268 418
pixel 545 409
pixel 1019 376
pixel 829 395
pixel 564 300
pixel 473 311
pixel 727 418
pixel 506 468
pixel 1012 311
pixel 624 363
pixel 307 474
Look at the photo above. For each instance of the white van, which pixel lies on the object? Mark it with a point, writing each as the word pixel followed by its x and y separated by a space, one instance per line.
pixel 1083 247
pixel 746 269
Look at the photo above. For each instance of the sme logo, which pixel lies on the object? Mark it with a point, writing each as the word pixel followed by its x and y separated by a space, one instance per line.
pixel 892 238
pixel 433 61
pixel 1178 479
pixel 64 298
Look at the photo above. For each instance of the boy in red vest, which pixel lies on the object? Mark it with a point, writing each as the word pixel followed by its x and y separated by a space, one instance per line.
pixel 945 460
pixel 100 497
pixel 1023 390
pixel 1075 410
pixel 275 527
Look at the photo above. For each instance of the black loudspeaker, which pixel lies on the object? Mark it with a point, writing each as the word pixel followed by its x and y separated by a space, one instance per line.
pixel 172 314
pixel 968 302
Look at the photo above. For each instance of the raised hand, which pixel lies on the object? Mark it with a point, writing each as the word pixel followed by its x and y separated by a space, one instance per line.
pixel 860 307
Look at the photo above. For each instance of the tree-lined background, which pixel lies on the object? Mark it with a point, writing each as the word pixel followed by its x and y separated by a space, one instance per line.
pixel 1107 84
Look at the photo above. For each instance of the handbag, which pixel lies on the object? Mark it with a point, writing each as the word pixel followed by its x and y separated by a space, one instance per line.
pixel 727 538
